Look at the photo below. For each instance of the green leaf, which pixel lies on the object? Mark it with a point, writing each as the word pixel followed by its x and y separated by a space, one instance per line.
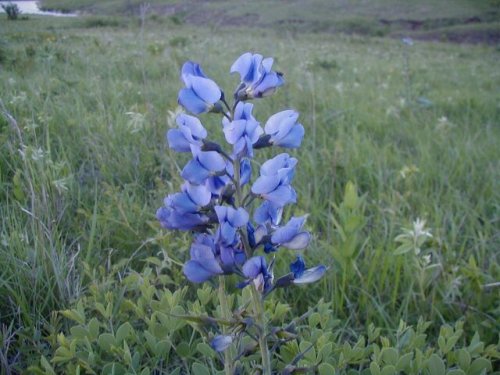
pixel 127 356
pixel 18 186
pixel 106 341
pixel 114 369
pixel 326 369
pixel 199 369
pixel 183 349
pixel 62 354
pixel 308 350
pixel 463 359
pixel 123 332
pixel 162 348
pixel 479 365
pixel 93 328
pixel 388 370
pixel 78 332
pixel 350 196
pixel 455 372
pixel 314 319
pixel 74 315
pixel 46 366
pixel 374 368
pixel 435 365
pixel 205 349
pixel 325 351
pixel 404 362
pixel 390 356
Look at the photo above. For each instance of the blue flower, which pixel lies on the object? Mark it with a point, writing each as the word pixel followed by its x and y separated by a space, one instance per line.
pixel 203 264
pixel 221 342
pixel 231 255
pixel 201 93
pixel 191 199
pixel 268 212
pixel 284 130
pixel 230 220
pixel 301 275
pixel 274 182
pixel 256 271
pixel 203 165
pixel 170 218
pixel 257 78
pixel 243 131
pixel 311 275
pixel 190 132
pixel 291 236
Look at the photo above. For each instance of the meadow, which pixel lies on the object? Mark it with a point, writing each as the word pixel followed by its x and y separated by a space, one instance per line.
pixel 399 172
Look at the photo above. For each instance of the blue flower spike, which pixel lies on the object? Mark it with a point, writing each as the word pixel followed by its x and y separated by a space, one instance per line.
pixel 218 192
pixel 201 94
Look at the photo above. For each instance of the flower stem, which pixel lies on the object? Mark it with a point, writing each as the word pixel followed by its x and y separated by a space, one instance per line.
pixel 226 314
pixel 257 300
pixel 260 317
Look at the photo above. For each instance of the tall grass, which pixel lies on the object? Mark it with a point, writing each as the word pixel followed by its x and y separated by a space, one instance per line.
pixel 83 178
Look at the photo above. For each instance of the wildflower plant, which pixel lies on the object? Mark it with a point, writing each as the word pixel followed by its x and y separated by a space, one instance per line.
pixel 236 220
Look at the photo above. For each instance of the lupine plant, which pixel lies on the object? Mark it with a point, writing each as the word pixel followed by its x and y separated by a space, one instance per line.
pixel 236 222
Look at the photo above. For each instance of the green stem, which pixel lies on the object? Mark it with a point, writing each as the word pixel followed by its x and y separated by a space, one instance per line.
pixel 257 301
pixel 260 316
pixel 226 314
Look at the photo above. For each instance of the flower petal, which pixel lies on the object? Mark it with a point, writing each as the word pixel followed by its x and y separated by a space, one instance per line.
pixel 199 194
pixel 299 242
pixel 281 196
pixel 177 141
pixel 311 275
pixel 238 217
pixel 193 125
pixel 182 203
pixel 293 139
pixel 265 184
pixel 194 172
pixel 206 89
pixel 192 102
pixel 198 272
pixel 254 266
pixel 298 267
pixel 212 161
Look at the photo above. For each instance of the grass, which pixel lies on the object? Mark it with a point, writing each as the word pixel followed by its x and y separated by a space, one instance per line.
pixel 83 171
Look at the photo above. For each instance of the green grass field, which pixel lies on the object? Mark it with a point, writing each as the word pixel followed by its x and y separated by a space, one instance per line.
pixel 84 165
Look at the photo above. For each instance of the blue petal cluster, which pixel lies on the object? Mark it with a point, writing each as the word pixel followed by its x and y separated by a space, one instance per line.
pixel 201 93
pixel 218 194
pixel 257 78
pixel 244 131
